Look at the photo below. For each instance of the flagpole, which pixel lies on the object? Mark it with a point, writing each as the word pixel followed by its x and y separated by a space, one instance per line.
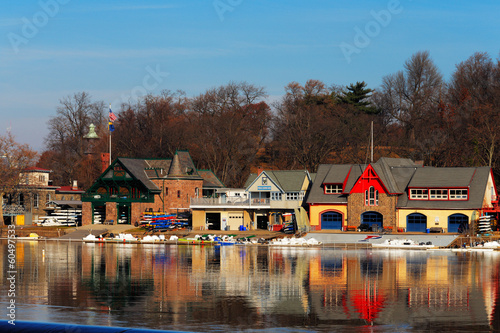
pixel 109 129
pixel 109 147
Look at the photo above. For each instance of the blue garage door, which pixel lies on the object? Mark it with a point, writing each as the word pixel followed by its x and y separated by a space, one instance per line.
pixel 457 221
pixel 416 222
pixel 331 220
pixel 373 219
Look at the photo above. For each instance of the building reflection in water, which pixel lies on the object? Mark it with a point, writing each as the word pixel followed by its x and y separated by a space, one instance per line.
pixel 194 287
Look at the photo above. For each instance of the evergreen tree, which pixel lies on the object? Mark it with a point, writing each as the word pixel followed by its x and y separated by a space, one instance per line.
pixel 358 96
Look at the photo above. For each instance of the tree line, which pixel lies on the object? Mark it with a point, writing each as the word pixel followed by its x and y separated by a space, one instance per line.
pixel 231 129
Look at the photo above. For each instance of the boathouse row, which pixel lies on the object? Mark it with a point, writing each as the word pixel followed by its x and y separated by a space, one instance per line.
pixel 129 187
pixel 399 194
pixel 269 199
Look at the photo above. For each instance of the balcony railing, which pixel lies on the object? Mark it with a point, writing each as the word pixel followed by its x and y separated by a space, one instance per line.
pixel 229 202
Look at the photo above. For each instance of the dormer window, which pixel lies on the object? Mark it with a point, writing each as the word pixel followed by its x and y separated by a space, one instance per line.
pixel 419 194
pixel 459 194
pixel 333 188
pixel 439 194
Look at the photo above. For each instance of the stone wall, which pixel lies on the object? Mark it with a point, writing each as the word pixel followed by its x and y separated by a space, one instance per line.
pixel 386 207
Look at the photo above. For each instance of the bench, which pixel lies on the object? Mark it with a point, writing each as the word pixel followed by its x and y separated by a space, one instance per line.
pixel 436 230
pixel 350 228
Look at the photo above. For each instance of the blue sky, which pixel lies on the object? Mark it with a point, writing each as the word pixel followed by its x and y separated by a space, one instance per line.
pixel 116 50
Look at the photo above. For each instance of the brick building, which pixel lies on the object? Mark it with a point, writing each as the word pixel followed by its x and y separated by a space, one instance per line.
pixel 131 186
pixel 397 193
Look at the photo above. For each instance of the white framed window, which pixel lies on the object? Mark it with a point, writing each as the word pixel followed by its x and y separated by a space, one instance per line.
pixel 438 194
pixel 371 197
pixel 419 194
pixel 35 200
pixel 333 188
pixel 294 196
pixel 459 194
pixel 276 196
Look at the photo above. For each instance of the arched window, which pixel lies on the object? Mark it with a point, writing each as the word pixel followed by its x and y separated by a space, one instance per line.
pixel 416 222
pixel 371 197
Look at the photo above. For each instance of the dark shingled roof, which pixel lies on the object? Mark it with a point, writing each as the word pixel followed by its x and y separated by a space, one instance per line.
pixel 180 167
pixel 385 167
pixel 398 175
pixel 137 168
pixel 210 180
pixel 475 179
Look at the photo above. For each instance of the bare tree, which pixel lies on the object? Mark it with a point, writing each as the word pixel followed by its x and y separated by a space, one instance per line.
pixel 14 158
pixel 411 96
pixel 66 131
pixel 228 126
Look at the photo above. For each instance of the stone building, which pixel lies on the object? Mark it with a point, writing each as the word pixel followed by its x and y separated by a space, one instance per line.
pixel 398 194
pixel 129 187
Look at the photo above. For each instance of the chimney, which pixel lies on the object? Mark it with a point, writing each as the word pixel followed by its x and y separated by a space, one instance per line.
pixel 259 170
pixel 104 161
pixel 75 185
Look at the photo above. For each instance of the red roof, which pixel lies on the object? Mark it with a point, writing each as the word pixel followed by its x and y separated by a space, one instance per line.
pixel 68 189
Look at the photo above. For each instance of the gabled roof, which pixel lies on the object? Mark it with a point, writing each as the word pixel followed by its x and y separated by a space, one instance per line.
pixel 329 174
pixel 210 180
pixel 400 175
pixel 137 168
pixel 287 180
pixel 181 166
pixel 385 168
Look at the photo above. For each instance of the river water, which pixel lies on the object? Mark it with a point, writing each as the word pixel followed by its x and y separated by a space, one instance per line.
pixel 252 288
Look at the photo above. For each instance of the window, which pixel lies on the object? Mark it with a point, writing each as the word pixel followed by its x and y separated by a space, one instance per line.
pixel 419 194
pixel 35 200
pixel 276 196
pixel 47 197
pixel 294 196
pixel 178 194
pixel 438 194
pixel 166 190
pixel 459 194
pixel 196 192
pixel 41 178
pixel 371 197
pixel 333 188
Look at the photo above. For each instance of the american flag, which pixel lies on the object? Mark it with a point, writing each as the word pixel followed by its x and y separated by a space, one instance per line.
pixel 112 116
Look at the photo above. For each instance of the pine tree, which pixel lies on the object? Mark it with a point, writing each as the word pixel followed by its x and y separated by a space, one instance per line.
pixel 358 96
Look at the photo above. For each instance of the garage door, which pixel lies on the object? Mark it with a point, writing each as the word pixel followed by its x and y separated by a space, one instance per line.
pixel 416 223
pixel 331 221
